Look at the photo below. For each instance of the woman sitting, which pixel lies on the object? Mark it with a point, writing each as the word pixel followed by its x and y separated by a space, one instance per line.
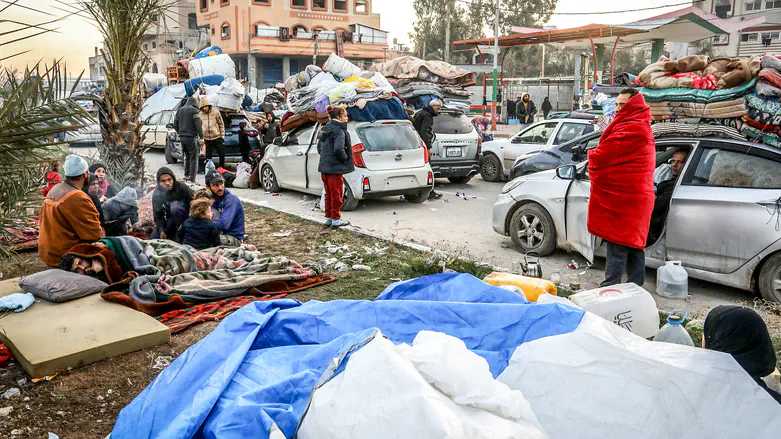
pixel 106 188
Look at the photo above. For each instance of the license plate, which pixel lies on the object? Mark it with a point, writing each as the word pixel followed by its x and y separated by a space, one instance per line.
pixel 453 152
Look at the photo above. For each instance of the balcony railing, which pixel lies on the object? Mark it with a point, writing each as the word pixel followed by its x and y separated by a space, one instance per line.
pixel 325 35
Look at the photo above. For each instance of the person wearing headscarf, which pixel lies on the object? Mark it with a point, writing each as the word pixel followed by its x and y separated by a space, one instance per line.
pixel 92 188
pixel 270 129
pixel 106 188
pixel 119 210
pixel 742 333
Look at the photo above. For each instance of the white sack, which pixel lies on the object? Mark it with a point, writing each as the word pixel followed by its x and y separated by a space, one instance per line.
pixel 381 82
pixel 602 381
pixel 167 98
pixel 232 86
pixel 212 65
pixel 340 67
pixel 243 172
pixel 385 392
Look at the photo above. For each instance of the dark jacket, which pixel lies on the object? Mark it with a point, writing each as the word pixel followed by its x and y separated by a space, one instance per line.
pixel 229 215
pixel 162 199
pixel 187 122
pixel 526 111
pixel 424 125
pixel 271 132
pixel 335 149
pixel 199 233
pixel 546 106
pixel 243 141
pixel 95 200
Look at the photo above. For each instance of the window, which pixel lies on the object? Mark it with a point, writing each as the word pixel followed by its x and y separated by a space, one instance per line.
pixel 298 4
pixel 226 31
pixel 725 168
pixel 770 35
pixel 264 30
pixel 192 20
pixel 773 4
pixel 570 131
pixel 538 135
pixel 225 2
pixel 723 8
pixel 212 30
pixel 298 28
pixel 721 39
pixel 450 123
pixel 204 5
pixel 154 44
pixel 361 7
pixel 754 6
pixel 153 119
pixel 262 2
pixel 319 5
pixel 389 138
pixel 748 37
pixel 166 117
pixel 340 5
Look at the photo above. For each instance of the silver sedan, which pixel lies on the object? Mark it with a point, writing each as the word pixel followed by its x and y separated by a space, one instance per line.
pixel 723 221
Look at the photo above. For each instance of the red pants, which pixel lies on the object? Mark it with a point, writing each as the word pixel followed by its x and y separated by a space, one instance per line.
pixel 334 191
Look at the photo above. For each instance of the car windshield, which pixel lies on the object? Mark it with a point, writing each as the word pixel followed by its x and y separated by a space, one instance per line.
pixel 452 123
pixel 389 137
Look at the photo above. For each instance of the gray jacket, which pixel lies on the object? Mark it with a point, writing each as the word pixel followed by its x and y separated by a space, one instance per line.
pixel 335 149
pixel 187 122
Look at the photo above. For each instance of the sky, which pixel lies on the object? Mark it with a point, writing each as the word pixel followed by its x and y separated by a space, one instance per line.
pixel 76 38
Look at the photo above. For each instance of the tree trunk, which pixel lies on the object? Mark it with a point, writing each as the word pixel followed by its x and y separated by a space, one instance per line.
pixel 122 150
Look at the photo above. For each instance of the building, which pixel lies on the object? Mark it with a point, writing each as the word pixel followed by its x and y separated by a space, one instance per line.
pixel 173 37
pixel 269 39
pixel 97 69
pixel 753 40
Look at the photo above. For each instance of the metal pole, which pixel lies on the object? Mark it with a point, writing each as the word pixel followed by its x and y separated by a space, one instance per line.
pixel 496 55
pixel 542 72
pixel 424 51
pixel 314 55
pixel 448 12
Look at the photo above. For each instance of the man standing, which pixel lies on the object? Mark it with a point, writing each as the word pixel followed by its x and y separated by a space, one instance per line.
pixel 188 125
pixel 525 109
pixel 170 204
pixel 227 211
pixel 213 131
pixel 68 216
pixel 546 107
pixel 621 171
pixel 423 121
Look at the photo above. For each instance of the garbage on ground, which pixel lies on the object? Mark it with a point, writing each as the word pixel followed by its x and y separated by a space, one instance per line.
pixel 359 267
pixel 162 362
pixel 532 287
pixel 282 234
pixel 5 411
pixel 626 305
pixel 13 392
pixel 673 331
pixel 341 267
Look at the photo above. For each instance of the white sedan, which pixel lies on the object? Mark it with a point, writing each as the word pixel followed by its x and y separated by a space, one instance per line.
pixel 389 156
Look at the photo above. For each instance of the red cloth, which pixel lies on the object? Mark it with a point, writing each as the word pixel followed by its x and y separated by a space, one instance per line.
pixel 5 355
pixel 621 170
pixel 52 178
pixel 181 319
pixel 334 191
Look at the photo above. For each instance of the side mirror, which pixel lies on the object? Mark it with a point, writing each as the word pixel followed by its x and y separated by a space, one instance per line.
pixel 278 141
pixel 515 140
pixel 170 126
pixel 567 172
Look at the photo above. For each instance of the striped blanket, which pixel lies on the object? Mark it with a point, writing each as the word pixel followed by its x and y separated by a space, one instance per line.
pixel 695 95
pixel 713 110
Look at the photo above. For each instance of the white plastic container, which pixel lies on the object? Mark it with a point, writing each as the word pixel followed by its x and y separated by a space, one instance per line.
pixel 673 331
pixel 672 281
pixel 627 305
pixel 212 65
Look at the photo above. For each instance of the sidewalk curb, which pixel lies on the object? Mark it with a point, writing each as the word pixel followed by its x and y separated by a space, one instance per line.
pixel 352 229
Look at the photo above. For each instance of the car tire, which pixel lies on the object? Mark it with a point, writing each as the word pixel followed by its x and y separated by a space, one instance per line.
pixel 169 157
pixel 417 197
pixel 459 180
pixel 770 273
pixel 491 168
pixel 268 179
pixel 349 203
pixel 532 230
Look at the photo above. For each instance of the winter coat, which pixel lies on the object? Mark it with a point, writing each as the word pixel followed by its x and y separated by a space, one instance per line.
pixel 211 121
pixel 423 121
pixel 187 122
pixel 621 170
pixel 228 215
pixel 162 199
pixel 271 132
pixel 243 141
pixel 335 149
pixel 68 217
pixel 546 106
pixel 122 207
pixel 199 233
pixel 526 111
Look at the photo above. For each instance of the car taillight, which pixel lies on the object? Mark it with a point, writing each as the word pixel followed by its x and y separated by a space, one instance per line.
pixel 358 155
pixel 366 186
pixel 425 151
pixel 252 133
pixel 479 145
pixel 430 180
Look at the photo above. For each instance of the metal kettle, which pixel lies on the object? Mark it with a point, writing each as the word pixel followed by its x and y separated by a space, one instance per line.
pixel 531 268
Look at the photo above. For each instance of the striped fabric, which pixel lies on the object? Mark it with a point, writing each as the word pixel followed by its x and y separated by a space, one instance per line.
pixel 676 129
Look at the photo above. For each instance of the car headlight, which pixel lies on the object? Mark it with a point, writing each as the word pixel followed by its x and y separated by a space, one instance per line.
pixel 512 185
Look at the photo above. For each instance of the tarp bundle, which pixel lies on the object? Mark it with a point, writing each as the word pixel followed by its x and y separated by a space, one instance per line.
pixel 280 369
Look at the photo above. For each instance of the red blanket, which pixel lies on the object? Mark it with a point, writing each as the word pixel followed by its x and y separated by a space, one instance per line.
pixel 621 170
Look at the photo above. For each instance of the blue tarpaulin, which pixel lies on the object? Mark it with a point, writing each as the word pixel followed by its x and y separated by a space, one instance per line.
pixel 257 369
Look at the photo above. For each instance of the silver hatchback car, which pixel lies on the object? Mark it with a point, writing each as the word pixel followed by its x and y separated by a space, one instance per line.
pixel 723 221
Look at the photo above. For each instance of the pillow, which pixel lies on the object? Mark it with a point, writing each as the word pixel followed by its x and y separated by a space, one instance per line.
pixel 58 286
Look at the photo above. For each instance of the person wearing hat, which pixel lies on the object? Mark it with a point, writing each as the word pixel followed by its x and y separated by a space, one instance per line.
pixel 423 122
pixel 107 189
pixel 68 216
pixel 213 130
pixel 227 211
pixel 170 204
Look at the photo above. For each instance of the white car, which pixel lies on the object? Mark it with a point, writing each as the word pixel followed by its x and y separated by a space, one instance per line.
pixel 157 127
pixel 498 156
pixel 389 158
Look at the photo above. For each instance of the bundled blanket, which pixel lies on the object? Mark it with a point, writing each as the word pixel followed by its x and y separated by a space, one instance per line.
pixel 698 96
pixel 676 129
pixel 769 129
pixel 409 67
pixel 729 72
pixel 764 137
pixel 713 110
pixel 769 82
pixel 772 106
pixel 378 110
pixel 764 118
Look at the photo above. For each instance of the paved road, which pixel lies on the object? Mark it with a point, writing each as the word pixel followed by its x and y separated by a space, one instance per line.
pixel 461 226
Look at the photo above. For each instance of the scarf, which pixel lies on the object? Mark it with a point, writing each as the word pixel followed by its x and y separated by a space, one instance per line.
pixel 742 333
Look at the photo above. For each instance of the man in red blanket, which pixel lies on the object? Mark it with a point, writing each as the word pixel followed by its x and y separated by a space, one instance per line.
pixel 621 170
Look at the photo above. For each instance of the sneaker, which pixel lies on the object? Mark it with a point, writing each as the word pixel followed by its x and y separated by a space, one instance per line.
pixel 328 222
pixel 339 223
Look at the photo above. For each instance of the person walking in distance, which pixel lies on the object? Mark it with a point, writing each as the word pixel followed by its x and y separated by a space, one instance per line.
pixel 213 131
pixel 335 148
pixel 621 170
pixel 187 124
pixel 546 107
pixel 423 121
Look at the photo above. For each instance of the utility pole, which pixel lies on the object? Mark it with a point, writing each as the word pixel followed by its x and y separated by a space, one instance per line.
pixel 448 13
pixel 496 59
pixel 314 55
pixel 424 51
pixel 542 73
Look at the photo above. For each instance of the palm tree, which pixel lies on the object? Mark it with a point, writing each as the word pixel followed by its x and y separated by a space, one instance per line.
pixel 123 23
pixel 34 108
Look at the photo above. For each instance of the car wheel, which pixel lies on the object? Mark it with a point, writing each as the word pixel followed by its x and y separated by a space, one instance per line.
pixel 268 179
pixel 418 197
pixel 459 180
pixel 770 279
pixel 349 202
pixel 491 168
pixel 532 230
pixel 169 156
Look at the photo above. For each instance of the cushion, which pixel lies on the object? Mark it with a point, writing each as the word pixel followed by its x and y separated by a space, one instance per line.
pixel 58 286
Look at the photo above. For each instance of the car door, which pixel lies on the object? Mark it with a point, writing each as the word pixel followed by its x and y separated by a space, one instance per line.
pixel 161 130
pixel 576 214
pixel 292 158
pixel 535 138
pixel 725 210
pixel 314 180
pixel 149 128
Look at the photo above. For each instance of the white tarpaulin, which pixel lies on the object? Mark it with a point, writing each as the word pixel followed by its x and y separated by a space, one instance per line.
pixel 167 98
pixel 601 381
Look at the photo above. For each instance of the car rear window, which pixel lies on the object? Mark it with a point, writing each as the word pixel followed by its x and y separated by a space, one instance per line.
pixel 389 137
pixel 448 123
pixel 236 120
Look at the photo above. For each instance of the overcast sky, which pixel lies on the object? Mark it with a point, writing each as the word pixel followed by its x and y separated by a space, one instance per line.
pixel 76 38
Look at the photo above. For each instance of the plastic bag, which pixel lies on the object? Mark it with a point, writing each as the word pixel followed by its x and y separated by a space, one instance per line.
pixel 243 173
pixel 361 83
pixel 209 167
pixel 340 67
pixel 381 82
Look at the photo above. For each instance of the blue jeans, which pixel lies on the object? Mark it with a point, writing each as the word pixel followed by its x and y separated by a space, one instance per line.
pixel 178 216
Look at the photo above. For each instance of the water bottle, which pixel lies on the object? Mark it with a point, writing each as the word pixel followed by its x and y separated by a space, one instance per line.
pixel 673 331
pixel 210 166
pixel 672 281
